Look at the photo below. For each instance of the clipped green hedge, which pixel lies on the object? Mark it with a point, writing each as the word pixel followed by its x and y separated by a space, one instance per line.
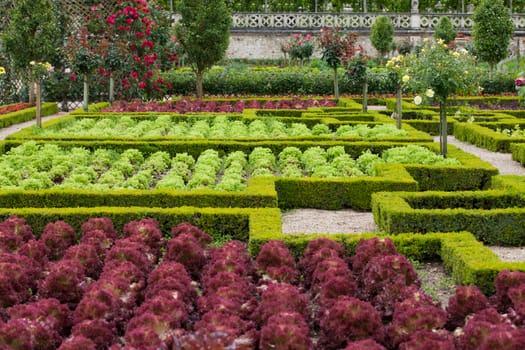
pixel 27 114
pixel 484 135
pixel 259 193
pixel 518 152
pixel 473 174
pixel 341 193
pixel 494 217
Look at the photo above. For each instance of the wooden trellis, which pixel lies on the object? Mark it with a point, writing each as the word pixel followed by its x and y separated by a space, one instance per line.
pixel 78 10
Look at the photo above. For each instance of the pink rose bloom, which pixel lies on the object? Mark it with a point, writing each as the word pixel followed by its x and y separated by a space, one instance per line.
pixel 296 36
pixel 519 82
pixel 308 37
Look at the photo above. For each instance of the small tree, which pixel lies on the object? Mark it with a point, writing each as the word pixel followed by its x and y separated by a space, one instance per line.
pixel 382 36
pixel 441 72
pixel 445 30
pixel 337 48
pixel 204 33
pixel 31 36
pixel 492 31
pixel 357 69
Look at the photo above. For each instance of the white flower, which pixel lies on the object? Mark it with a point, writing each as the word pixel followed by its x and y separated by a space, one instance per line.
pixel 429 93
pixel 405 78
pixel 32 63
pixel 67 70
pixel 418 100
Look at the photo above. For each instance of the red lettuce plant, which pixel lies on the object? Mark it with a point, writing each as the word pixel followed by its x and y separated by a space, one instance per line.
pixel 346 320
pixel 101 332
pixel 102 303
pixel 415 314
pixel 466 301
pixel 386 280
pixel 134 252
pixel 99 240
pixel 425 339
pixel 315 252
pixel 478 328
pixel 103 224
pixel 367 249
pixel 76 343
pixel 231 298
pixel 175 311
pixel 26 271
pixel 281 297
pixel 185 227
pixel 50 312
pixel 504 281
pixel 286 330
pixel 366 344
pixel 25 334
pixel 211 283
pixel 213 341
pixel 186 250
pixel 66 281
pixel 88 256
pixel 276 261
pixel 37 251
pixel 171 276
pixel 149 330
pixel 58 236
pixel 224 322
pixel 18 226
pixel 10 239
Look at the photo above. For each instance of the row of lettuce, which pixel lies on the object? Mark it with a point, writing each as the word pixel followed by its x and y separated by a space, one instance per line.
pixel 140 287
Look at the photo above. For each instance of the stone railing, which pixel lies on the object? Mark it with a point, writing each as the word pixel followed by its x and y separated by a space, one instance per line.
pixel 352 21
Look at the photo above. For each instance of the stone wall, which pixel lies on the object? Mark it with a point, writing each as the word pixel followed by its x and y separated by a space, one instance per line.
pixel 252 45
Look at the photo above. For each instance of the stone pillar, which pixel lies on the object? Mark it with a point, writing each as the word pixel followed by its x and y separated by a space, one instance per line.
pixel 415 20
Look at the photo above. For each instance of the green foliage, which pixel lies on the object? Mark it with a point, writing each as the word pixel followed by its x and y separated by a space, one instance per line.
pixel 382 35
pixel 203 31
pixel 492 31
pixel 32 33
pixel 445 30
pixel 443 71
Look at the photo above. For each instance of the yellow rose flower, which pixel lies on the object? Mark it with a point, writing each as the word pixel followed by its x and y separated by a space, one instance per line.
pixel 2 70
pixel 455 54
pixel 405 78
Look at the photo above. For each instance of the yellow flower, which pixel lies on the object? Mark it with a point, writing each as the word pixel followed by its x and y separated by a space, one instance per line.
pixel 440 41
pixel 465 72
pixel 2 70
pixel 32 63
pixel 455 54
pixel 405 78
pixel 389 64
pixel 418 100
pixel 429 93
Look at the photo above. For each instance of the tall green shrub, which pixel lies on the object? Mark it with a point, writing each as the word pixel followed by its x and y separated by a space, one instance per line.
pixel 492 31
pixel 204 33
pixel 445 30
pixel 382 36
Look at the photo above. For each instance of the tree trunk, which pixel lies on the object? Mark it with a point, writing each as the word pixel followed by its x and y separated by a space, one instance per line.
pixel 31 94
pixel 443 128
pixel 111 89
pixel 85 102
pixel 365 96
pixel 399 109
pixel 199 77
pixel 336 86
pixel 38 96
